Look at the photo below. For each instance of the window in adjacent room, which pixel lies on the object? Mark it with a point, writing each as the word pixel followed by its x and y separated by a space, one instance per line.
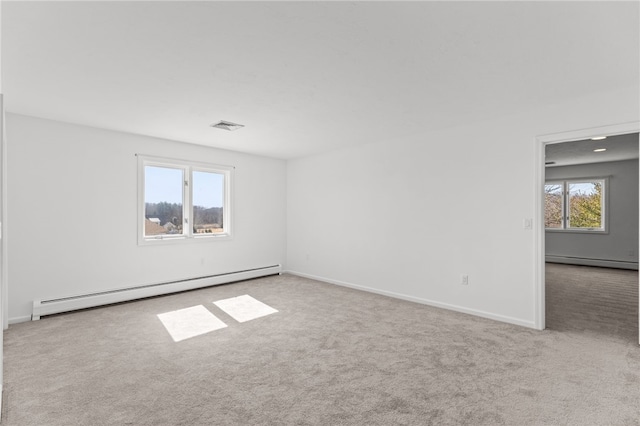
pixel 576 205
pixel 181 200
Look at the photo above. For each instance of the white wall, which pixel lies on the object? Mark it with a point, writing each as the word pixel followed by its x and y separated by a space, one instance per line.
pixel 72 194
pixel 3 312
pixel 3 241
pixel 620 243
pixel 407 217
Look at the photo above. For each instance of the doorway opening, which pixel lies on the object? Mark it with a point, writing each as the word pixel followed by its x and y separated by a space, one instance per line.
pixel 588 231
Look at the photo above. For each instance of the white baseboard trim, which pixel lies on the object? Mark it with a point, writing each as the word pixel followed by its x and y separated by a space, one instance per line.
pixel 456 308
pixel 592 262
pixel 18 320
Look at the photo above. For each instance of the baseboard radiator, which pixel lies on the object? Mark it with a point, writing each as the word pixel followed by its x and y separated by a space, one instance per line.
pixel 74 303
pixel 603 263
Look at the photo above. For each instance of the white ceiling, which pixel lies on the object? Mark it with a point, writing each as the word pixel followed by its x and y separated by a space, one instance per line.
pixel 307 77
pixel 618 148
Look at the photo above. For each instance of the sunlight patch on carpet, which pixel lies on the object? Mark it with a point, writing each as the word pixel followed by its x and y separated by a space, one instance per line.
pixel 190 322
pixel 244 308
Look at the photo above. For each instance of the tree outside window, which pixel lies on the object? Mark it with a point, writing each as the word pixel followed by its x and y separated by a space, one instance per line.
pixel 575 205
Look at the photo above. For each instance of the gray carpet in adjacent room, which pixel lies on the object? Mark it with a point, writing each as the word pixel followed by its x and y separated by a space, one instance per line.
pixel 330 356
pixel 595 301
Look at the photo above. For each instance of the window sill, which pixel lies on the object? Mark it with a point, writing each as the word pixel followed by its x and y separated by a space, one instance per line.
pixel 578 231
pixel 184 239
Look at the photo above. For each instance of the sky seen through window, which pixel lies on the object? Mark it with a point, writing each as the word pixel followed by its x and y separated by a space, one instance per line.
pixel 164 184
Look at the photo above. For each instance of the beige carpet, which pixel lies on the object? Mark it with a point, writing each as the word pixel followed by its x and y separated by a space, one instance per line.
pixel 329 356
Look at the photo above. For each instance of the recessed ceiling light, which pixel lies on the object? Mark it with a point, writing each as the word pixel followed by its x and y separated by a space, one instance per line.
pixel 227 125
pixel 599 138
pixel 600 150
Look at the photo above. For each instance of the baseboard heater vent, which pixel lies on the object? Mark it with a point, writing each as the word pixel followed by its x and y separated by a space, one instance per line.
pixel 603 263
pixel 74 303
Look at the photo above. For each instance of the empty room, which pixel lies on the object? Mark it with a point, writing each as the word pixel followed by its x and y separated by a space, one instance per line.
pixel 318 213
pixel 591 235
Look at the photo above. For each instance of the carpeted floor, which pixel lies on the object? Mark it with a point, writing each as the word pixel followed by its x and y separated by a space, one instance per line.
pixel 329 356
pixel 601 302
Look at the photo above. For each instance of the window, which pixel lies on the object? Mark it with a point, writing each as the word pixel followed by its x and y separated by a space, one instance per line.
pixel 576 205
pixel 181 200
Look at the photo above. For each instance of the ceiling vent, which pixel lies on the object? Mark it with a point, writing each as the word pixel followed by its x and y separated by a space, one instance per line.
pixel 227 125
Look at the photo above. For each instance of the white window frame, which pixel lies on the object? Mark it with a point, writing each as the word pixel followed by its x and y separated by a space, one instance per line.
pixel 604 206
pixel 187 167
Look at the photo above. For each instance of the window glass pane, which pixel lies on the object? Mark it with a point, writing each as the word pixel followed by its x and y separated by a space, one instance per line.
pixel 163 200
pixel 208 202
pixel 585 205
pixel 553 206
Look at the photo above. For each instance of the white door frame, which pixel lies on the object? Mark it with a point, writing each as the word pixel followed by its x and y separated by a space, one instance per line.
pixel 540 143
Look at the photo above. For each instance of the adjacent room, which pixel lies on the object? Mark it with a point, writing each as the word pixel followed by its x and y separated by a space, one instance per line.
pixel 591 219
pixel 319 213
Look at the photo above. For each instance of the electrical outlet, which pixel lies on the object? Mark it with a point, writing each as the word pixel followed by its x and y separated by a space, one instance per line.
pixel 464 280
